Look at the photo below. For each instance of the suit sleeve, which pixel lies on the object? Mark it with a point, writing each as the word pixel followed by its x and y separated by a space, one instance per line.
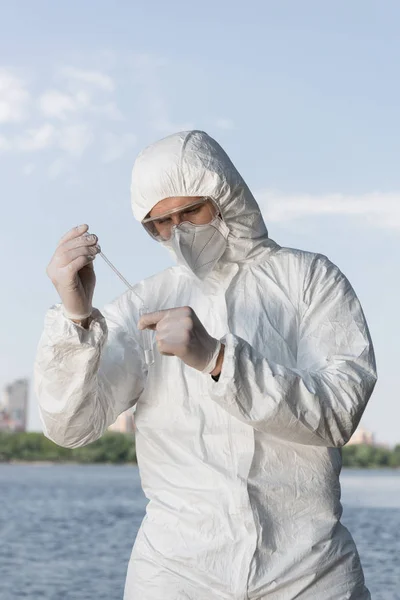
pixel 321 401
pixel 85 378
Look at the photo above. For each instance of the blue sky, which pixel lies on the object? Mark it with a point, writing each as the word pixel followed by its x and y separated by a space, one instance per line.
pixel 304 96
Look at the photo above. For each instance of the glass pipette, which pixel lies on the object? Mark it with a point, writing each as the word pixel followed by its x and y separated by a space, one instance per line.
pixel 146 333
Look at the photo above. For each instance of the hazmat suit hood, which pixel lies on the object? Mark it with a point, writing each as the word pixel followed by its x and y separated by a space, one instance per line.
pixel 191 163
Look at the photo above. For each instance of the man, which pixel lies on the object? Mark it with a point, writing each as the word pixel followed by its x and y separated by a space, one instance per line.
pixel 265 366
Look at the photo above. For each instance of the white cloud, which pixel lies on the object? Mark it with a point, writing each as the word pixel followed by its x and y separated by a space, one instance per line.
pixel 91 78
pixel 28 169
pixel 377 208
pixel 36 139
pixel 14 97
pixel 222 123
pixel 71 114
pixel 56 104
pixel 74 139
pixel 117 145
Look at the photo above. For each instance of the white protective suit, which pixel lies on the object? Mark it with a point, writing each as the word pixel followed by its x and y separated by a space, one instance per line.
pixel 242 475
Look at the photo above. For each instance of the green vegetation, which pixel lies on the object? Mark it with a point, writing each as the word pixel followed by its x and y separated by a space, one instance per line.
pixel 120 448
pixel 111 448
pixel 362 456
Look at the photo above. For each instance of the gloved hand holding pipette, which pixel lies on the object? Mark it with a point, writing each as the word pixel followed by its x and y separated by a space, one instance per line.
pixel 72 274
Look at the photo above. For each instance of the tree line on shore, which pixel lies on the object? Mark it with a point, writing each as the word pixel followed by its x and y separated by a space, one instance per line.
pixel 112 447
pixel 119 448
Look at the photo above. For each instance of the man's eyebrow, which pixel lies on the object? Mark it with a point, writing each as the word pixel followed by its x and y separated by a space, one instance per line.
pixel 175 211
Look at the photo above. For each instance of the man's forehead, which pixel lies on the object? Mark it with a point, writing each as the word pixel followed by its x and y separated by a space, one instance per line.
pixel 170 203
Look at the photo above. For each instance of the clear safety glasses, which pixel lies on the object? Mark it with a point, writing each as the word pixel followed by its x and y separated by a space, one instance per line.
pixel 199 212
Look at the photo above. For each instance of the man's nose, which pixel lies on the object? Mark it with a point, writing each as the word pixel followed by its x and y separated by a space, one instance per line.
pixel 176 219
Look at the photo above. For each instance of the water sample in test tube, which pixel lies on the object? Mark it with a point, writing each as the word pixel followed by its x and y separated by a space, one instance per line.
pixel 147 338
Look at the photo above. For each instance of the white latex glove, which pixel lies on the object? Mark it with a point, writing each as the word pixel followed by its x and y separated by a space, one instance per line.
pixel 180 333
pixel 71 271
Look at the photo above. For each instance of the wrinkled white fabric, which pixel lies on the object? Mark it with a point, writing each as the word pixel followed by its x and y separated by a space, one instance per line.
pixel 242 475
pixel 199 247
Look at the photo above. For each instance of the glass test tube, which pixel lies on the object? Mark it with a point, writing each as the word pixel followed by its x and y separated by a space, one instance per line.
pixel 147 340
pixel 146 334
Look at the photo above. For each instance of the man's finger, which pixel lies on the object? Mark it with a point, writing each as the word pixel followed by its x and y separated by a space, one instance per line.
pixel 73 233
pixel 150 320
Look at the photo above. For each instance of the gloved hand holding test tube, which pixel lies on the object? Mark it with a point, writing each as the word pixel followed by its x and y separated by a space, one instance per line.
pixel 146 333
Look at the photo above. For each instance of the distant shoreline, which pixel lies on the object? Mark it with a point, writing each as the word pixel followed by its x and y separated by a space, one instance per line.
pixel 31 448
pixel 49 463
pixel 34 448
pixel 52 463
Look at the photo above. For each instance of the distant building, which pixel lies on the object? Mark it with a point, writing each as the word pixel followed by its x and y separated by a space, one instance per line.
pixel 14 406
pixel 362 436
pixel 124 423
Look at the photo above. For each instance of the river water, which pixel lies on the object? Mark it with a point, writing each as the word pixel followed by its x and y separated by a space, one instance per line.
pixel 66 531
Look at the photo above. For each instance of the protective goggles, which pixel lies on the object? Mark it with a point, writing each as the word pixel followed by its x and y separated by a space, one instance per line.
pixel 160 227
